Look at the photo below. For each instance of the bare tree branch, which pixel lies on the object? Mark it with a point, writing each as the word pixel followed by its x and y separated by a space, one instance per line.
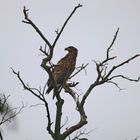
pixel 26 87
pixel 109 49
pixel 74 128
pixel 82 67
pixel 116 84
pixel 80 133
pixel 121 64
pixel 39 96
pixel 65 23
pixel 104 76
pixel 44 51
pixel 49 119
pixel 124 77
pixel 28 21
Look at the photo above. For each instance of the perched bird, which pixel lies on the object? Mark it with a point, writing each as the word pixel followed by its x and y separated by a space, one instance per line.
pixel 64 68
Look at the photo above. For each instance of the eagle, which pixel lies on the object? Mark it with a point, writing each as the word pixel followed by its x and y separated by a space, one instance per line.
pixel 63 69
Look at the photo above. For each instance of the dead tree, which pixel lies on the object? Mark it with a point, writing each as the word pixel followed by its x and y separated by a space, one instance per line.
pixel 105 74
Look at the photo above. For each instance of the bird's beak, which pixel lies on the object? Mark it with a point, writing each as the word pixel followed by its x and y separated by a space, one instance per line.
pixel 66 49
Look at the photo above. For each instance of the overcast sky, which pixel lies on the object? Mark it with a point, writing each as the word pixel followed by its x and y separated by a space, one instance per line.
pixel 113 115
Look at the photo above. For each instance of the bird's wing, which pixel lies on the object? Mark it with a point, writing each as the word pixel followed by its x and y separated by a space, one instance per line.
pixel 62 70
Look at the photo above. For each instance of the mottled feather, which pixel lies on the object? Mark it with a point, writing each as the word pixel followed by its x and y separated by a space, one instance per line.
pixel 64 68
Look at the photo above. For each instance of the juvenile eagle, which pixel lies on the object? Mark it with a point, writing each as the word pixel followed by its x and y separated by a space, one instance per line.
pixel 64 68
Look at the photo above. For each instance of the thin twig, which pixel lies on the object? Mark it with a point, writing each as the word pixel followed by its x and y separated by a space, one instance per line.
pixel 124 77
pixel 25 86
pixel 78 71
pixel 28 21
pixel 109 49
pixel 121 64
pixel 65 23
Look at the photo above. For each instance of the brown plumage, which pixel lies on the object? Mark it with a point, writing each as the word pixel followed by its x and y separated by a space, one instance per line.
pixel 64 68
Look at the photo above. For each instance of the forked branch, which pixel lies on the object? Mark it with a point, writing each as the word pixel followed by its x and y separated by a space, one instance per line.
pixel 65 23
pixel 104 75
pixel 80 68
pixel 37 93
pixel 29 21
pixel 109 49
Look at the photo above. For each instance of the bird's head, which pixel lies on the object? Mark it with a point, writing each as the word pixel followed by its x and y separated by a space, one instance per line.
pixel 71 49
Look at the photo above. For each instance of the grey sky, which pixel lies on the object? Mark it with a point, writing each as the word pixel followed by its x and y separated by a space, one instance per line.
pixel 114 114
